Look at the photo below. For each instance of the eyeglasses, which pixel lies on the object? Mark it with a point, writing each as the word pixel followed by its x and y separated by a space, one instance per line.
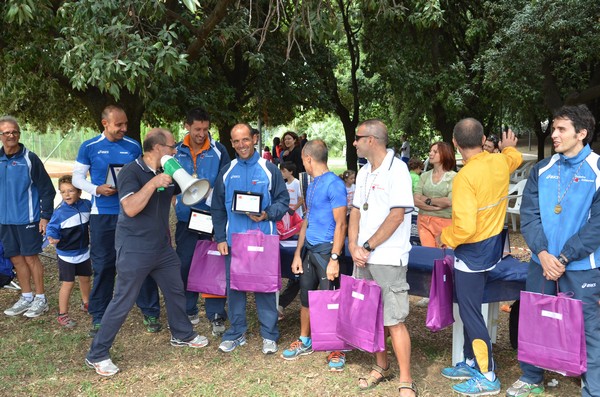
pixel 169 146
pixel 13 133
pixel 358 137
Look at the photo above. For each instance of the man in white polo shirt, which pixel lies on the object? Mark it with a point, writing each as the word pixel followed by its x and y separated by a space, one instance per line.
pixel 378 239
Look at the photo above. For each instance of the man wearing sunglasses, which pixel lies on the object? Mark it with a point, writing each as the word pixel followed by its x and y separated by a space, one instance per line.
pixel 26 185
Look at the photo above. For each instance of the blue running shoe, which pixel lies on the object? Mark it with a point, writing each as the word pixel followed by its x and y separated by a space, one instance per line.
pixel 460 371
pixel 336 361
pixel 296 350
pixel 478 385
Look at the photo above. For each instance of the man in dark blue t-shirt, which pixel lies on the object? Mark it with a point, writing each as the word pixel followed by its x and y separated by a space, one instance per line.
pixel 144 247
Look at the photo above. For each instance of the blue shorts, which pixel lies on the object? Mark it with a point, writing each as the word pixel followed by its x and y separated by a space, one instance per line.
pixel 23 240
pixel 67 270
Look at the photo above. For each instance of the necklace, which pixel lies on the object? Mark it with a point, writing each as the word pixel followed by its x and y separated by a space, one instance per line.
pixel 558 207
pixel 368 191
pixel 309 200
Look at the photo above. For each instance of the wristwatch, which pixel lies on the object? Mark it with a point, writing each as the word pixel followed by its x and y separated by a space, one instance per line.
pixel 367 246
pixel 428 201
pixel 563 260
pixel 334 257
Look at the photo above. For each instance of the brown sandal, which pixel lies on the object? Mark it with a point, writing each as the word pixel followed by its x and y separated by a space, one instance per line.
pixel 410 386
pixel 371 381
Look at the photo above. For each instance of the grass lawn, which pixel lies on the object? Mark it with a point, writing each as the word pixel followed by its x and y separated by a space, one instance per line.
pixel 39 358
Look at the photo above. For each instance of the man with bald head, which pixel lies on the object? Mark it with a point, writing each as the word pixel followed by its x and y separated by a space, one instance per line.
pixel 144 249
pixel 379 241
pixel 97 155
pixel 478 212
pixel 248 172
pixel 320 244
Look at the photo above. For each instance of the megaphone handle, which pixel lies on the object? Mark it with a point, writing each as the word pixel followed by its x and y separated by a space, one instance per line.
pixel 160 189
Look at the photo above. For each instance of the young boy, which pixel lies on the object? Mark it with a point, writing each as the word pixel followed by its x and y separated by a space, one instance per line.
pixel 415 167
pixel 293 187
pixel 68 230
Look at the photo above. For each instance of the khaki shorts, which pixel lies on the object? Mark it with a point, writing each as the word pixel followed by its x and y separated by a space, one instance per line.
pixel 394 290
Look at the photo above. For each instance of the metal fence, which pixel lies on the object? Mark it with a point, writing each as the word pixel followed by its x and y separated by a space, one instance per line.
pixel 56 145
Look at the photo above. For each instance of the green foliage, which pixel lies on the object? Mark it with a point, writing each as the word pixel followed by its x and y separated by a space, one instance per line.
pixel 118 44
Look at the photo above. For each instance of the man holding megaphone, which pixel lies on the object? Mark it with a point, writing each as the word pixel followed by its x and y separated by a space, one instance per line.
pixel 144 248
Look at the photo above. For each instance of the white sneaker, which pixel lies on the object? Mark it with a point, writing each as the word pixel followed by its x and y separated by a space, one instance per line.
pixel 198 342
pixel 21 306
pixel 104 367
pixel 194 319
pixel 422 303
pixel 269 346
pixel 38 307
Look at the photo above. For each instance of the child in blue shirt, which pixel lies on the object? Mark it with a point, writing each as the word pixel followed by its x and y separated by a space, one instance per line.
pixel 68 230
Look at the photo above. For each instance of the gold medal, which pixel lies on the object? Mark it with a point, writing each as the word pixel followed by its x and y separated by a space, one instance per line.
pixel 557 209
pixel 365 206
pixel 195 176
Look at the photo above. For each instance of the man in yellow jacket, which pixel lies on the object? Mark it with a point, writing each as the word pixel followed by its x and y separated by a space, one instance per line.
pixel 478 211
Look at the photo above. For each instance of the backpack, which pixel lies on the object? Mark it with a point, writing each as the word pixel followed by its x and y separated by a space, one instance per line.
pixel 6 268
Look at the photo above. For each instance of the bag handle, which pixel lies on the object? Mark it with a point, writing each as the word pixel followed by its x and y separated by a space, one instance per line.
pixel 559 294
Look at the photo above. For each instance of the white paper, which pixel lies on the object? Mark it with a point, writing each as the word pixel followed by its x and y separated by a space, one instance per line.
pixel 201 222
pixel 548 313
pixel 289 243
pixel 247 203
pixel 357 295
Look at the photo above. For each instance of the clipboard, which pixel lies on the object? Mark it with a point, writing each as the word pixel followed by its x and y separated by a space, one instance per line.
pixel 248 203
pixel 200 222
pixel 111 174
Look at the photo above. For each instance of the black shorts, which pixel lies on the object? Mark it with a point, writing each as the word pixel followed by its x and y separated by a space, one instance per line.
pixel 23 240
pixel 314 277
pixel 67 270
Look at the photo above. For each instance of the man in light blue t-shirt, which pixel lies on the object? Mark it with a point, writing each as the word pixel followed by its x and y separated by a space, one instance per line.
pixel 320 243
pixel 101 156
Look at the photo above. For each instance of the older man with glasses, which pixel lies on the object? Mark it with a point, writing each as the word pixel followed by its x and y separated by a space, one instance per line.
pixel 27 202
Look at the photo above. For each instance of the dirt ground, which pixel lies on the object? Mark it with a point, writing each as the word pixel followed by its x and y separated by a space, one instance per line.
pixel 41 359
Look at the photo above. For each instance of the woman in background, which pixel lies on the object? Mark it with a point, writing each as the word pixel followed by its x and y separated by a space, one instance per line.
pixel 292 152
pixel 433 195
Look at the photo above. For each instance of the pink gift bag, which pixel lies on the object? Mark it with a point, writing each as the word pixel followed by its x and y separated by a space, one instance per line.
pixel 207 271
pixel 439 310
pixel 255 263
pixel 360 316
pixel 551 333
pixel 323 307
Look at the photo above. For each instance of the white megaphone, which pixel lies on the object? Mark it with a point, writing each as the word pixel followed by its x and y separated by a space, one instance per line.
pixel 192 190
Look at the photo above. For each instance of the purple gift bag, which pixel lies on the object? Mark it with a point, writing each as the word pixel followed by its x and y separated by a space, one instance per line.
pixel 439 310
pixel 255 264
pixel 207 271
pixel 323 307
pixel 551 333
pixel 360 316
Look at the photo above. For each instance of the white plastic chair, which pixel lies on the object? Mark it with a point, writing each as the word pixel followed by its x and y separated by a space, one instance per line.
pixel 522 172
pixel 515 196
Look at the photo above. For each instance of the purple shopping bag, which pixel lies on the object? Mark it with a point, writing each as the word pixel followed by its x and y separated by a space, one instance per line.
pixel 207 271
pixel 360 316
pixel 255 263
pixel 439 310
pixel 323 307
pixel 551 333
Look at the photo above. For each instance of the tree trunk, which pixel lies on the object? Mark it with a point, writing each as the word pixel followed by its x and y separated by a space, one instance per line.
pixel 95 102
pixel 225 138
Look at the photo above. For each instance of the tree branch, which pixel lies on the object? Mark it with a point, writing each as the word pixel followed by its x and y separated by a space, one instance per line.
pixel 216 16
